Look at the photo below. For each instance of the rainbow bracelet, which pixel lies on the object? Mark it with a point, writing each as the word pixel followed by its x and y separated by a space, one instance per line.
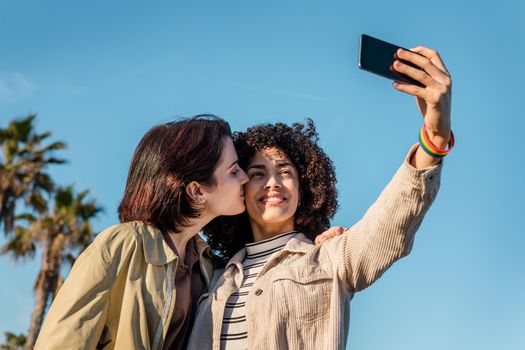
pixel 429 147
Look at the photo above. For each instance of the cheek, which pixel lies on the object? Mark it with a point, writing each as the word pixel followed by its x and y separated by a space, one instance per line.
pixel 250 190
pixel 227 187
pixel 293 188
pixel 233 182
pixel 250 199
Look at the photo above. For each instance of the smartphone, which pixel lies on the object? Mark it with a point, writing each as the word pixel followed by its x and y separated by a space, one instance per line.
pixel 377 56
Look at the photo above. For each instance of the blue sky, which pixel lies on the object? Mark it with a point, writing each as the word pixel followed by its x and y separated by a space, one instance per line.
pixel 99 74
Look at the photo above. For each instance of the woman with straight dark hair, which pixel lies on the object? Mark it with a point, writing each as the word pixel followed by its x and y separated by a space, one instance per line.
pixel 135 286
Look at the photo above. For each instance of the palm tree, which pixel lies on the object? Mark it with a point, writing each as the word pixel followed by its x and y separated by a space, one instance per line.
pixel 22 163
pixel 62 233
pixel 13 341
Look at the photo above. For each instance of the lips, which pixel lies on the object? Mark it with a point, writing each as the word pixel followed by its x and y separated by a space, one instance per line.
pixel 273 199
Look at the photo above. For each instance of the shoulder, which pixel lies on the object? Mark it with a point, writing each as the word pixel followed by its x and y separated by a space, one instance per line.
pixel 121 232
pixel 315 254
pixel 120 239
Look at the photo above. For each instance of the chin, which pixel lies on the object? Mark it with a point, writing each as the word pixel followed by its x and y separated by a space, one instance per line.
pixel 275 220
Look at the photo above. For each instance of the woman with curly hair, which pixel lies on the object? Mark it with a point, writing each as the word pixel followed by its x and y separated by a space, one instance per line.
pixel 279 290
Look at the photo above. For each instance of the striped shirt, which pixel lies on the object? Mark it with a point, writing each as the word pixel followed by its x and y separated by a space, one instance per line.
pixel 233 334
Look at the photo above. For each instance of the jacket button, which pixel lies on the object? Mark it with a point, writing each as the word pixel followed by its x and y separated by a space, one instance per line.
pixel 258 292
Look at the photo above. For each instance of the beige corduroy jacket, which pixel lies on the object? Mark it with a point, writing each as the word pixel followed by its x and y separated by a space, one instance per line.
pixel 120 293
pixel 300 298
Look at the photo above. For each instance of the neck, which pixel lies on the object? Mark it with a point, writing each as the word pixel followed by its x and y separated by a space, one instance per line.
pixel 179 241
pixel 269 230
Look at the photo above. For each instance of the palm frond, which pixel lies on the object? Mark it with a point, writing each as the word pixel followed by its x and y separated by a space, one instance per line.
pixel 25 217
pixel 37 202
pixel 42 181
pixel 54 146
pixel 22 128
pixel 53 160
pixel 13 341
pixel 20 246
pixel 63 196
pixel 37 138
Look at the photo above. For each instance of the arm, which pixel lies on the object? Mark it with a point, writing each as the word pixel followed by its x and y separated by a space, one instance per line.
pixel 77 316
pixel 386 231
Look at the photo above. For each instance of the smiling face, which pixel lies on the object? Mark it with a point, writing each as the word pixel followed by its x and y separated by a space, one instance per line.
pixel 271 194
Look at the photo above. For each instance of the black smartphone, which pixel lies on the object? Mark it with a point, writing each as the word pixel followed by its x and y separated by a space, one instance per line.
pixel 377 56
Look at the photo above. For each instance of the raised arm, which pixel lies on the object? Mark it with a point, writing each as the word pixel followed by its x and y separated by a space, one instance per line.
pixel 386 231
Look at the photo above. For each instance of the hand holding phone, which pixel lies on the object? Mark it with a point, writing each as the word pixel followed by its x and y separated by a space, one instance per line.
pixel 377 56
pixel 419 72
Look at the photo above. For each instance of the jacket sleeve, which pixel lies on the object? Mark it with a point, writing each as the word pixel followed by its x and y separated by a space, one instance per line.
pixel 386 231
pixel 78 313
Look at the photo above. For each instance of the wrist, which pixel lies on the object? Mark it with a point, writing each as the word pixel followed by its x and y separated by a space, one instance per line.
pixel 439 145
pixel 440 137
pixel 440 141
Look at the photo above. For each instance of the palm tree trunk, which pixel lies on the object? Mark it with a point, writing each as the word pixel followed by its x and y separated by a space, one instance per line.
pixel 1 199
pixel 7 210
pixel 45 286
pixel 38 313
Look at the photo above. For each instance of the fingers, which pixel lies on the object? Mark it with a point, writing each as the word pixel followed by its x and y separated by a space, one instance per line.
pixel 435 77
pixel 409 88
pixel 433 55
pixel 328 234
pixel 319 240
pixel 433 96
pixel 415 73
pixel 334 231
pixel 426 63
pixel 427 93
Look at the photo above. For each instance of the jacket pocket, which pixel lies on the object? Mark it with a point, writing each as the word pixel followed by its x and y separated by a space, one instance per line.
pixel 307 292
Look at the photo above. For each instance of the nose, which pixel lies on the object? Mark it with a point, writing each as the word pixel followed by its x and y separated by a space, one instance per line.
pixel 273 182
pixel 244 177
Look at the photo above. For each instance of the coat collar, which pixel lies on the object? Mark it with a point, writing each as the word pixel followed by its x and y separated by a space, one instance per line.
pixel 297 244
pixel 158 252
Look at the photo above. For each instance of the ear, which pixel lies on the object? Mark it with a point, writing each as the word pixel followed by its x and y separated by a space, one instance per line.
pixel 196 193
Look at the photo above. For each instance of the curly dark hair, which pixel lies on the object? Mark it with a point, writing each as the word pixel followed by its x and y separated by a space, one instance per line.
pixel 226 235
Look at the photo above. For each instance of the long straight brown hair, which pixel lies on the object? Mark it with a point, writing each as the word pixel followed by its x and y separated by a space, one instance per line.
pixel 166 160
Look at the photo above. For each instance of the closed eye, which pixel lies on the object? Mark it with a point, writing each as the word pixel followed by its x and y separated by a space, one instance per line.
pixel 236 170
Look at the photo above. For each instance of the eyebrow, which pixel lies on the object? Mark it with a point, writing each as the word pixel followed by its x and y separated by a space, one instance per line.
pixel 262 166
pixel 232 164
